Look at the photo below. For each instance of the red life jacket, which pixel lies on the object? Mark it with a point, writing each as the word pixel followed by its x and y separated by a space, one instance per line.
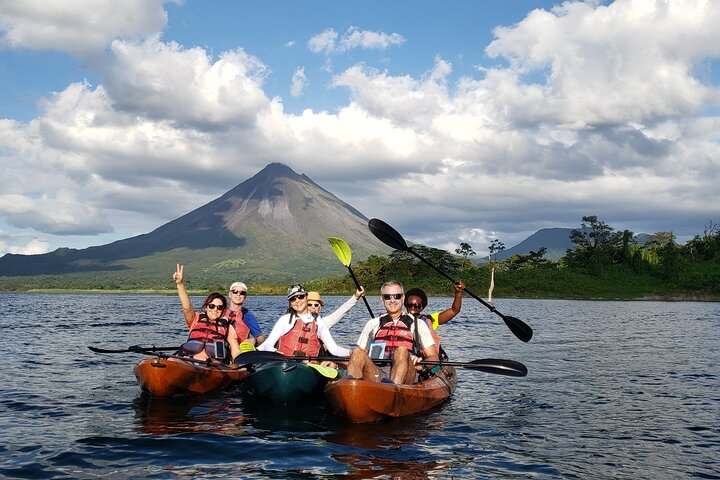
pixel 203 330
pixel 236 319
pixel 301 340
pixel 395 336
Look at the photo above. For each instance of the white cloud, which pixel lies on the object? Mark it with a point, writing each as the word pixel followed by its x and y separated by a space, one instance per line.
pixel 595 65
pixel 299 82
pixel 327 41
pixel 164 81
pixel 76 26
pixel 323 42
pixel 62 214
pixel 596 112
pixel 21 245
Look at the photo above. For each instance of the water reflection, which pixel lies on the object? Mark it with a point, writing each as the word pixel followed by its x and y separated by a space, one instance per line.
pixel 388 449
pixel 213 414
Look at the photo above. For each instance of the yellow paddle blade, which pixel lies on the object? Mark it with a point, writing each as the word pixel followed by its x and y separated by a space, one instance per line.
pixel 342 250
pixel 324 371
pixel 247 347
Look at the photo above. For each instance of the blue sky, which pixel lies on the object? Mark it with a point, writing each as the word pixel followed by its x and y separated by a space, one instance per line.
pixel 452 121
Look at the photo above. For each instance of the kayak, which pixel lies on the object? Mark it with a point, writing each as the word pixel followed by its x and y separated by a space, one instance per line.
pixel 169 376
pixel 286 382
pixel 361 401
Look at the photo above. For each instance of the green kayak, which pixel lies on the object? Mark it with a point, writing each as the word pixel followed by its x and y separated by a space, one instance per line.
pixel 286 382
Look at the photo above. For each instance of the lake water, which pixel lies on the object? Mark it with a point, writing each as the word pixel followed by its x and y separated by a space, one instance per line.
pixel 615 389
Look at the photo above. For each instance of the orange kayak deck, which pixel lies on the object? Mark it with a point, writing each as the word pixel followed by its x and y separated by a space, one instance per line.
pixel 362 401
pixel 172 377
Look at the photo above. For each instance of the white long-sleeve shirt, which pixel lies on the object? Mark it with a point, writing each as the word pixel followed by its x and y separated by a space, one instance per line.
pixel 340 312
pixel 283 326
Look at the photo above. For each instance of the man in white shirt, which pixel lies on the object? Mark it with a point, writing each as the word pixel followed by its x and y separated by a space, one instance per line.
pixel 398 336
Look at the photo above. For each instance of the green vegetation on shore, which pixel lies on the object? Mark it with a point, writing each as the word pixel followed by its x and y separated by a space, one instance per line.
pixel 604 264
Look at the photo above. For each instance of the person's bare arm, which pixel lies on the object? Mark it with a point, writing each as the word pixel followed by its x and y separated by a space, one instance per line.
pixel 179 278
pixel 447 315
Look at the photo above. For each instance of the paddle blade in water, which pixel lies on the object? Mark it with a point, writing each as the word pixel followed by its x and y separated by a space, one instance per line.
pixel 323 370
pixel 341 249
pixel 510 368
pixel 387 234
pixel 519 328
pixel 248 358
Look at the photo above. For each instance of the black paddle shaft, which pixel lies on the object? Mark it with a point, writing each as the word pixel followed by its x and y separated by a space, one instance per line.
pixel 496 366
pixel 357 285
pixel 389 236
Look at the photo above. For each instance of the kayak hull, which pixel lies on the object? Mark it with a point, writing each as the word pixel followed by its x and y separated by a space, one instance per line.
pixel 172 377
pixel 286 382
pixel 362 401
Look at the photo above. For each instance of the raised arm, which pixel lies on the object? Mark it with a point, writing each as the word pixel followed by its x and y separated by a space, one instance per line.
pixel 447 315
pixel 340 312
pixel 179 279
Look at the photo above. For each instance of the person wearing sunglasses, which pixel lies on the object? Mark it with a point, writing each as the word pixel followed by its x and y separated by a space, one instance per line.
pixel 394 335
pixel 211 335
pixel 300 332
pixel 315 304
pixel 245 323
pixel 415 302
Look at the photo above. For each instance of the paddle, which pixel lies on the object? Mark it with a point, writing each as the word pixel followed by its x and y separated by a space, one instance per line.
pixel 134 349
pixel 342 250
pixel 389 236
pixel 249 358
pixel 497 366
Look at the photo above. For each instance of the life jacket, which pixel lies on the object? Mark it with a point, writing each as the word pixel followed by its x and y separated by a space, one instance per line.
pixel 429 320
pixel 206 332
pixel 236 320
pixel 398 335
pixel 301 340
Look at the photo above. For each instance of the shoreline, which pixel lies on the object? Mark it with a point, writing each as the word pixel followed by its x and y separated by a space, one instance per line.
pixel 270 291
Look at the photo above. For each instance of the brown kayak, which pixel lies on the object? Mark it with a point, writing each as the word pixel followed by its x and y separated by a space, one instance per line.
pixel 171 377
pixel 361 401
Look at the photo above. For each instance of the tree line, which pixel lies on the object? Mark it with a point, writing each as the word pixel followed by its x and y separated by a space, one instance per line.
pixel 602 263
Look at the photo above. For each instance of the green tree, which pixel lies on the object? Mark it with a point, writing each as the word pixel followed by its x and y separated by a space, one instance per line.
pixel 465 250
pixel 596 245
pixel 496 246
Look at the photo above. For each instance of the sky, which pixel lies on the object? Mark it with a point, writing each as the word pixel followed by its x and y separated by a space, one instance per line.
pixel 458 121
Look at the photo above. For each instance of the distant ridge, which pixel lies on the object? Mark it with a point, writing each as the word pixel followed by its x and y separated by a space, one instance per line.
pixel 556 240
pixel 271 228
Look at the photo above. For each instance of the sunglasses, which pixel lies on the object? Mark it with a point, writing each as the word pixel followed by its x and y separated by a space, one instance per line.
pixel 238 292
pixel 396 296
pixel 313 304
pixel 414 305
pixel 215 306
pixel 298 297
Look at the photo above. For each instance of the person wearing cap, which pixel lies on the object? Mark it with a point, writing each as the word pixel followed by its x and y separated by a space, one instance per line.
pixel 315 304
pixel 300 332
pixel 246 325
pixel 396 335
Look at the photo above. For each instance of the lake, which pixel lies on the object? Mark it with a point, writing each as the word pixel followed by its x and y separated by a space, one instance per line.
pixel 614 389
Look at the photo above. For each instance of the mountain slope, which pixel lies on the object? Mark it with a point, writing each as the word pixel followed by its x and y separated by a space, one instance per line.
pixel 272 228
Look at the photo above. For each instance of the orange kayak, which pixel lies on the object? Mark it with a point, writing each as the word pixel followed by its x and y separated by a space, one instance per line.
pixel 361 401
pixel 164 377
